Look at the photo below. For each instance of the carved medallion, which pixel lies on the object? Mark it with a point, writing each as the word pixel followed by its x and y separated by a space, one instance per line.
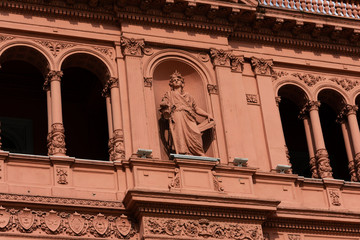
pixel 4 217
pixel 26 218
pixel 76 223
pixel 52 221
pixel 123 225
pixel 100 224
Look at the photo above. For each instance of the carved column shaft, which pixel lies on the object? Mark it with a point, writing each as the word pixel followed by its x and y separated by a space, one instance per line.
pixel 350 112
pixel 321 155
pixel 56 137
pixel 348 147
pixel 310 144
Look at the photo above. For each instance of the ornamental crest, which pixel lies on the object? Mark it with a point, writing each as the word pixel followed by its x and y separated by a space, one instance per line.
pixel 26 218
pixel 4 217
pixel 76 223
pixel 100 224
pixel 123 225
pixel 52 221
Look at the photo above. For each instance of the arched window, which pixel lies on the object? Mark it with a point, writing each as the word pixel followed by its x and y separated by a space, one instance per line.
pixel 292 101
pixel 22 100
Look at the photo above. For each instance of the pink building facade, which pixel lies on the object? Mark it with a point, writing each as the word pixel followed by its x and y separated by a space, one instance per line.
pixel 85 152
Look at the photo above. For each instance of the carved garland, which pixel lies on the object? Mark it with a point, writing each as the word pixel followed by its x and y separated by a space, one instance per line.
pixel 200 229
pixel 66 224
pixel 310 79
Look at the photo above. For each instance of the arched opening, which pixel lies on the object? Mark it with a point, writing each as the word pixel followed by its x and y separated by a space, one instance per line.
pixel 194 87
pixel 331 104
pixel 23 111
pixel 84 109
pixel 292 101
pixel 357 102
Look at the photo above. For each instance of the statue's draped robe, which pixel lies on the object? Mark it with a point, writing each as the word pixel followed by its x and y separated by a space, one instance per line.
pixel 182 123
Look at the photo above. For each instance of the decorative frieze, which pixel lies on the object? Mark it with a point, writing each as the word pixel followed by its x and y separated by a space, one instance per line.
pixel 34 222
pixel 262 66
pixel 335 197
pixel 5 38
pixel 54 47
pixel 345 83
pixel 200 229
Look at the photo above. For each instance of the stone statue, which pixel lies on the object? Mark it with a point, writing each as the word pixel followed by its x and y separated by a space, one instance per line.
pixel 180 109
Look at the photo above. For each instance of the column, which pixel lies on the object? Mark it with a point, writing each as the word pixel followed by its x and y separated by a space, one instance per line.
pixel 341 119
pixel 116 138
pixel 270 114
pixel 56 137
pixel 233 105
pixel 310 143
pixel 350 111
pixel 106 94
pixel 321 154
pixel 133 50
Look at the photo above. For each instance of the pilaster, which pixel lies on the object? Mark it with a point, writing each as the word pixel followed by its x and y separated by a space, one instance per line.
pixel 270 113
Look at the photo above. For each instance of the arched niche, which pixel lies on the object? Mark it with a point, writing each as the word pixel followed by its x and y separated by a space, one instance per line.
pixel 332 102
pixel 293 99
pixel 194 85
pixel 22 99
pixel 84 109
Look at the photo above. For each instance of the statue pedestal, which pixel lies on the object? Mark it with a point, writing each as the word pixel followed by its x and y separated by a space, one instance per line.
pixel 195 173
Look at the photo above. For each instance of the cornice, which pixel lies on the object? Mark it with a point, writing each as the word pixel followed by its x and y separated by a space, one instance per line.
pixel 141 201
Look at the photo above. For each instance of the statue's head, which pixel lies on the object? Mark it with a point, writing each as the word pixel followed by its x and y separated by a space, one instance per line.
pixel 174 78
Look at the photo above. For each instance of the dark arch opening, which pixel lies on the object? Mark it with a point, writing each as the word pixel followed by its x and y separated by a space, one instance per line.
pixel 331 104
pixel 357 102
pixel 23 107
pixel 84 109
pixel 292 101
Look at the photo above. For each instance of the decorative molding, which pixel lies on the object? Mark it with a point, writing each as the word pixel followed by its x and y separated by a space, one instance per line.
pixel 212 89
pixel 132 47
pixel 237 63
pixel 345 83
pixel 35 222
pixel 54 47
pixel 175 181
pixel 217 182
pixel 335 197
pixel 277 100
pixel 62 175
pixel 148 81
pixel 56 139
pixel 6 38
pixel 262 66
pixel 107 51
pixel 252 99
pixel 309 79
pixel 200 229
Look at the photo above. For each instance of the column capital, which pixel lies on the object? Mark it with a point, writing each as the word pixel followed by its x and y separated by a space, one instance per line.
pixel 220 57
pixel 111 83
pixel 349 109
pixel 312 105
pixel 237 63
pixel 262 66
pixel 52 76
pixel 132 47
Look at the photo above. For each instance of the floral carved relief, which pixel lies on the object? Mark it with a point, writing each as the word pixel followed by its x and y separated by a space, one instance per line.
pixel 106 51
pixel 335 197
pixel 132 46
pixel 55 47
pixel 311 79
pixel 200 229
pixel 62 175
pixel 220 57
pixel 217 182
pixel 66 224
pixel 5 38
pixel 252 99
pixel 212 89
pixel 175 182
pixel 262 66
